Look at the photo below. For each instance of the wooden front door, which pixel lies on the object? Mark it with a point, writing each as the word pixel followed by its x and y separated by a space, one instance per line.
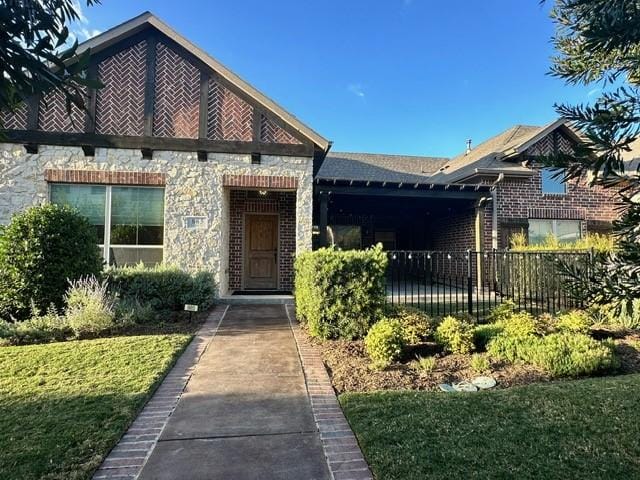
pixel 261 252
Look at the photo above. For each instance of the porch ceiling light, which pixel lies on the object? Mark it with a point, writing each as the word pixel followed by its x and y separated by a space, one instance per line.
pixel 262 193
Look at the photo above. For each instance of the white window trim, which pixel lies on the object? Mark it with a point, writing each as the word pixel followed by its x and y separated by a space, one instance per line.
pixel 105 244
pixel 554 224
pixel 564 183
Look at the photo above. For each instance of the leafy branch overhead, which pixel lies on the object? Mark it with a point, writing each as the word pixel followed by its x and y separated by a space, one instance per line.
pixel 34 53
pixel 598 42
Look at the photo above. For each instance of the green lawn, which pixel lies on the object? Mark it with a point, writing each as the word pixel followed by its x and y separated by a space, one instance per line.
pixel 64 405
pixel 566 430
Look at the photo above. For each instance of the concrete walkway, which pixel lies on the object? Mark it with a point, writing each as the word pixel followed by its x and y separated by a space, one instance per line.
pixel 245 413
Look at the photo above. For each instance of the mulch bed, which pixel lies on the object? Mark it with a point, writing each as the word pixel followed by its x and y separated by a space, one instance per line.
pixel 348 366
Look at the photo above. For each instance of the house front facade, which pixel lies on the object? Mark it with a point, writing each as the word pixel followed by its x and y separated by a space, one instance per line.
pixel 178 160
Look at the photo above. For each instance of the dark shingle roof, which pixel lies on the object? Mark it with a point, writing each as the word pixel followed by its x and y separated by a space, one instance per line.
pixel 376 167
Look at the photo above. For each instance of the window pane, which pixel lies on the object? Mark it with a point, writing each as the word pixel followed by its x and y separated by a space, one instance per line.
pixel 551 184
pixel 120 256
pixel 89 200
pixel 346 237
pixel 137 216
pixel 567 230
pixel 539 230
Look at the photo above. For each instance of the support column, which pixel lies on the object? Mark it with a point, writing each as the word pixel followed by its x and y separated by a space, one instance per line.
pixel 323 217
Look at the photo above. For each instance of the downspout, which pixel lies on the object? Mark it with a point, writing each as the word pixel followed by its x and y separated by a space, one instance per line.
pixel 494 212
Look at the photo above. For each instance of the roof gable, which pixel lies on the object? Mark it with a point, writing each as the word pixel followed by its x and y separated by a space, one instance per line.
pixel 157 83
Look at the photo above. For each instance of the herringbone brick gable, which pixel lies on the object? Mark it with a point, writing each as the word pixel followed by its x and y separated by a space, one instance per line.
pixel 16 120
pixel 228 116
pixel 120 103
pixel 53 116
pixel 546 145
pixel 270 132
pixel 177 95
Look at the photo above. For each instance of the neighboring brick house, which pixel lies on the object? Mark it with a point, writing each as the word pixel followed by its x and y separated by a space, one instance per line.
pixel 179 160
pixel 476 200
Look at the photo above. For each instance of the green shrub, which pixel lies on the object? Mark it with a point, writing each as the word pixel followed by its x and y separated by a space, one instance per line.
pixel 162 287
pixel 417 325
pixel 90 307
pixel 385 341
pixel 424 364
pixel 130 312
pixel 502 312
pixel 48 327
pixel 479 363
pixel 340 294
pixel 559 354
pixel 521 324
pixel 571 354
pixel 455 336
pixel 574 321
pixel 484 333
pixel 629 315
pixel 41 250
pixel 509 348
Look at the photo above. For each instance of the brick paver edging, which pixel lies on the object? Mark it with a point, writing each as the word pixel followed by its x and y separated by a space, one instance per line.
pixel 128 457
pixel 341 448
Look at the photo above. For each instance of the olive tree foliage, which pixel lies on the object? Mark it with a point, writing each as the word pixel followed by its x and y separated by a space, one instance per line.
pixel 598 44
pixel 35 55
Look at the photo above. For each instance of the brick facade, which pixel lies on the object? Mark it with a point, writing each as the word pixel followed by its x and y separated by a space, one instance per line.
pixel 260 181
pixel 105 177
pixel 457 233
pixel 242 202
pixel 521 200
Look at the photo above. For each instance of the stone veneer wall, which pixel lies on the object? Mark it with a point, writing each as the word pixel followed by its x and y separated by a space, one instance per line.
pixel 192 188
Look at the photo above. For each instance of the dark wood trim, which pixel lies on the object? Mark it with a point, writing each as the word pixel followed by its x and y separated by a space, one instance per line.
pixel 256 124
pixel 149 86
pixel 409 191
pixel 323 218
pixel 204 100
pixel 38 137
pixel 33 111
pixel 90 114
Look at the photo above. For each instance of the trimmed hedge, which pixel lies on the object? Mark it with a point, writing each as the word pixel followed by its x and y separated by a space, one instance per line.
pixel 41 250
pixel 162 287
pixel 384 342
pixel 340 294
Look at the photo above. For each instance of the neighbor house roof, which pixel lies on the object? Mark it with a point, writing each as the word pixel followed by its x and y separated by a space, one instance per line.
pixel 147 19
pixel 375 167
pixel 496 155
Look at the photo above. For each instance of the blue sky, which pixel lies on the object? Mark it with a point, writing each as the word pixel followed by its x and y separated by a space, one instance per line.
pixel 390 76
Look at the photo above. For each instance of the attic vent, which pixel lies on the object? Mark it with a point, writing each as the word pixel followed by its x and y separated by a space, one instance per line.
pixel 468 147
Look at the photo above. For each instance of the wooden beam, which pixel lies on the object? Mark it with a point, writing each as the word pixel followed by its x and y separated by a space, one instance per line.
pixel 33 111
pixel 204 100
pixel 90 114
pixel 155 143
pixel 149 86
pixel 256 126
pixel 409 193
pixel 324 215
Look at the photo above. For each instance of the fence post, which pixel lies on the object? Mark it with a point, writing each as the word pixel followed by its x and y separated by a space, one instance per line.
pixel 469 284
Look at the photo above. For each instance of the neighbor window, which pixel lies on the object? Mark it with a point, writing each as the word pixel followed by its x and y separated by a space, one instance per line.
pixel 129 221
pixel 346 237
pixel 566 231
pixel 553 181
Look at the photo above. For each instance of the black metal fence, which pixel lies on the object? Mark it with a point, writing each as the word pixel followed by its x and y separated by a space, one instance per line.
pixel 442 283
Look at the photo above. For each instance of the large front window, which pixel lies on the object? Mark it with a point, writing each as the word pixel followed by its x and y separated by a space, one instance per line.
pixel 129 221
pixel 566 231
